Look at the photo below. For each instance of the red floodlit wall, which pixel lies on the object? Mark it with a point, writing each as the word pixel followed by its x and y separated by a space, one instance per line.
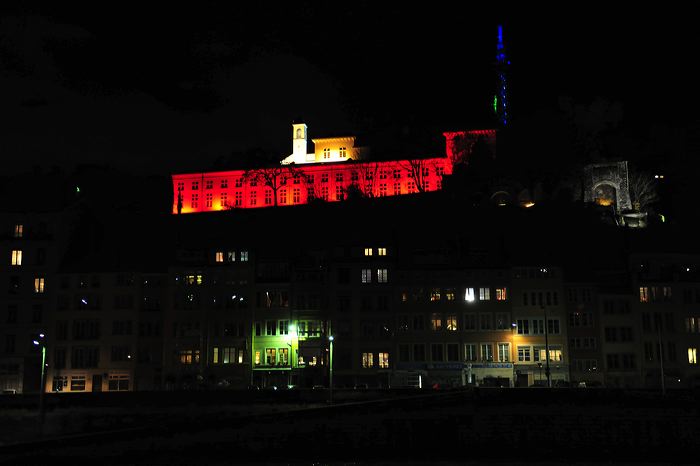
pixel 459 144
pixel 294 185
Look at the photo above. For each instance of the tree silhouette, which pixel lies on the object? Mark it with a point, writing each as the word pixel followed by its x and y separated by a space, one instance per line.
pixel 642 191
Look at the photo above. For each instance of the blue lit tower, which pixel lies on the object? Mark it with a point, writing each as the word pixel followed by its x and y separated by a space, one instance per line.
pixel 500 100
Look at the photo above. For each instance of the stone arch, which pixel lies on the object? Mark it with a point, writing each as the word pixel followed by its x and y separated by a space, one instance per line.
pixel 501 198
pixel 605 193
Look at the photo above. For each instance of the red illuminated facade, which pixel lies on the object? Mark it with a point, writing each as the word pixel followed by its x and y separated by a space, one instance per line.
pixel 295 184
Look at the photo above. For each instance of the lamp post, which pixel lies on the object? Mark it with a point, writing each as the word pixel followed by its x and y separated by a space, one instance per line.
pixel 547 372
pixel 661 360
pixel 330 369
pixel 39 341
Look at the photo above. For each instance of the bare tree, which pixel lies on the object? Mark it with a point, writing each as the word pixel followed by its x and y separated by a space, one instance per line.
pixel 642 191
pixel 274 177
pixel 367 174
pixel 418 171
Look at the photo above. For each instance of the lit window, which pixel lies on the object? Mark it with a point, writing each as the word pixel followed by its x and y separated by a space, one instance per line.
pixel 692 355
pixel 39 285
pixel 283 356
pixel 16 257
pixel 194 279
pixel 469 294
pixel 219 256
pixel 367 360
pixel 188 356
pixel 368 251
pixel 270 356
pixel 484 294
pixel 244 256
pixel 19 231
pixel 228 355
pixel 366 275
pixel 452 323
pixel 231 256
pixel 381 251
pixel 436 322
pixel 382 275
pixel 554 354
pixel 450 294
pixel 257 358
pixel 501 294
pixel 215 355
pixel 643 294
pixel 435 294
pixel 384 360
pixel 523 353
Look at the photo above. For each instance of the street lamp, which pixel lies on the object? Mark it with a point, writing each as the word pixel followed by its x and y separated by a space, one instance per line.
pixel 330 369
pixel 39 341
pixel 547 372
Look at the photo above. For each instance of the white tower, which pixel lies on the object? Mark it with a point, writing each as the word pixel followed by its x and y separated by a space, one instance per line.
pixel 299 134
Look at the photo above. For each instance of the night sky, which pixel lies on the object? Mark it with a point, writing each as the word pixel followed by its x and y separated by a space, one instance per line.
pixel 171 89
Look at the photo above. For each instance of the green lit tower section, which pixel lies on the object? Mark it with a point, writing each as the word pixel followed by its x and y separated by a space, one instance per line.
pixel 500 99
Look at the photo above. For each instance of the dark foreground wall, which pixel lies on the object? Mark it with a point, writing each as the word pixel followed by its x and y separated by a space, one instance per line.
pixel 535 425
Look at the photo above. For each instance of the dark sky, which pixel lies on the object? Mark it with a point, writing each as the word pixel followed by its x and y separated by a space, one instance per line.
pixel 170 89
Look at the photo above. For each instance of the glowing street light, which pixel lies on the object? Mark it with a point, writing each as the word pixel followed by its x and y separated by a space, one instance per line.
pixel 39 341
pixel 330 370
